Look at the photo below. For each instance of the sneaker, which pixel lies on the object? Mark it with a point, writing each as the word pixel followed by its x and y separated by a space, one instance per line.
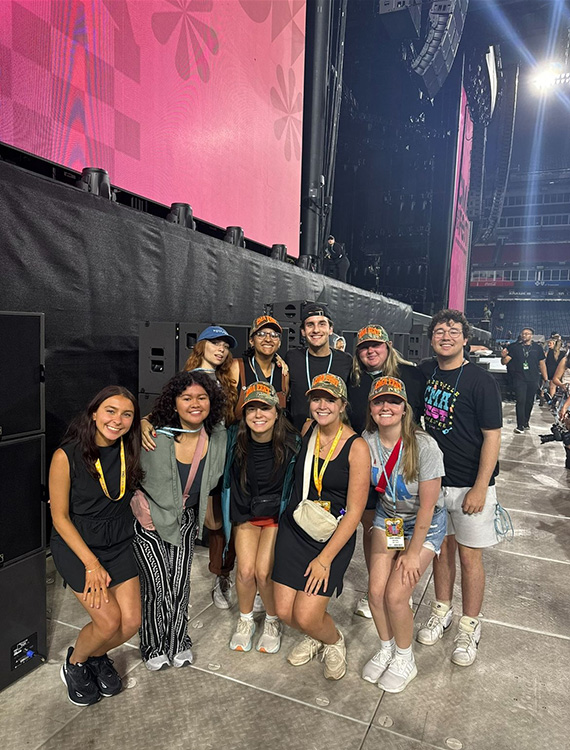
pixel 183 658
pixel 440 620
pixel 270 641
pixel 156 663
pixel 526 427
pixel 304 651
pixel 519 431
pixel 363 608
pixel 334 657
pixel 106 676
pixel 375 667
pixel 258 605
pixel 82 687
pixel 400 672
pixel 242 638
pixel 467 641
pixel 222 592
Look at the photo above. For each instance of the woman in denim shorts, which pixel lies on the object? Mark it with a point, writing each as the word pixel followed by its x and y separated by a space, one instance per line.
pixel 409 526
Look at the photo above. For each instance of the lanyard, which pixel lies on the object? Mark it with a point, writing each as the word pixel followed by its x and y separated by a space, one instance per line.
pixel 392 480
pixel 318 475
pixel 263 379
pixel 169 430
pixel 123 485
pixel 309 381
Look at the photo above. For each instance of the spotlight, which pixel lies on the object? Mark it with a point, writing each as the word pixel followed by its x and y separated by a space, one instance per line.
pixel 234 235
pixel 96 181
pixel 181 213
pixel 279 252
pixel 550 75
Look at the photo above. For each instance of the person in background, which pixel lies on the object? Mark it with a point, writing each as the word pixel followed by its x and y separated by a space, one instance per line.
pixel 555 354
pixel 91 482
pixel 180 475
pixel 336 261
pixel 375 355
pixel 257 485
pixel 527 365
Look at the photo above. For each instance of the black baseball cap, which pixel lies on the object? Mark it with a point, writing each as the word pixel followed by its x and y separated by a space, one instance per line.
pixel 315 308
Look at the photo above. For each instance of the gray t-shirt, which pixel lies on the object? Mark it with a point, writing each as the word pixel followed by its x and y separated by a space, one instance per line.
pixel 430 467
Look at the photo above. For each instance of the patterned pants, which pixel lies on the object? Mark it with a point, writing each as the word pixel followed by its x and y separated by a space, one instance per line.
pixel 165 588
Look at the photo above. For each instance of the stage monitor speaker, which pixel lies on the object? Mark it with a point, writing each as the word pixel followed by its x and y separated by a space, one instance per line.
pixel 146 402
pixel 23 635
pixel 22 409
pixel 22 490
pixel 158 352
pixel 289 314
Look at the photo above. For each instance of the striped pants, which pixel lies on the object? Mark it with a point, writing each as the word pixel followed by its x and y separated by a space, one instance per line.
pixel 164 574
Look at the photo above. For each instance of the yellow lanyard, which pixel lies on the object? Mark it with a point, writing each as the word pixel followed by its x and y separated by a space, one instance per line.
pixel 318 475
pixel 102 482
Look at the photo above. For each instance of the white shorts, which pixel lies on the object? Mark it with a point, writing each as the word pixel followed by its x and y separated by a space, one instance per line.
pixel 476 530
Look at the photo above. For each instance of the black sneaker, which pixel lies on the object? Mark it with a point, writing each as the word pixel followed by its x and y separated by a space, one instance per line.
pixel 106 676
pixel 82 689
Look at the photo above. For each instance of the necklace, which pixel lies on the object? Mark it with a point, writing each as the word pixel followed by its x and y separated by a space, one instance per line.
pixel 123 484
pixel 170 430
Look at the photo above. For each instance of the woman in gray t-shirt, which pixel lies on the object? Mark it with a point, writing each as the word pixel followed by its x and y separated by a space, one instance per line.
pixel 409 526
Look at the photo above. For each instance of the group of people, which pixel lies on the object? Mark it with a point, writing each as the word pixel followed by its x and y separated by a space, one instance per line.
pixel 277 462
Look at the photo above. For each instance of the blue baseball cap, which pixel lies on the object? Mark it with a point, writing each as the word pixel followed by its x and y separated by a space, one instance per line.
pixel 217 332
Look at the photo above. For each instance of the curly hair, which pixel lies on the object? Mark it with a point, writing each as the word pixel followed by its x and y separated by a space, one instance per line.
pixel 82 430
pixel 223 375
pixel 449 316
pixel 164 412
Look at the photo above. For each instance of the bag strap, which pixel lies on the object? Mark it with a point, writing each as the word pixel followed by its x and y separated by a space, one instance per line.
pixel 308 466
pixel 241 389
pixel 381 486
pixel 194 467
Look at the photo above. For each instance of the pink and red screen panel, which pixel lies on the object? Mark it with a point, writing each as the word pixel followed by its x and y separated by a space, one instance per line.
pixel 198 101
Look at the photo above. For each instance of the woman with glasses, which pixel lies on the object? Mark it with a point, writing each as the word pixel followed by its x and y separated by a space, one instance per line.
pixel 375 355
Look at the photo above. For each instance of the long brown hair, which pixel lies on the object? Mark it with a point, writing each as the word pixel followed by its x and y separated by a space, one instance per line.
pixel 223 375
pixel 285 443
pixel 83 430
pixel 410 431
pixel 389 368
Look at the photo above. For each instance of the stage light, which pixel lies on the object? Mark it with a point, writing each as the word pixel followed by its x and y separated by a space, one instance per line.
pixel 96 181
pixel 550 75
pixel 234 235
pixel 279 252
pixel 181 213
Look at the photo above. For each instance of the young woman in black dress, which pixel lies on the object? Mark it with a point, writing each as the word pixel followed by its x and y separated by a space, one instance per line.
pixel 307 572
pixel 91 481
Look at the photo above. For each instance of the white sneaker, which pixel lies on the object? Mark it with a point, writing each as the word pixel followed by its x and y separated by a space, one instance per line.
pixel 440 620
pixel 222 592
pixel 183 658
pixel 375 667
pixel 270 641
pixel 258 605
pixel 363 608
pixel 156 663
pixel 467 641
pixel 243 636
pixel 400 672
pixel 334 657
pixel 304 651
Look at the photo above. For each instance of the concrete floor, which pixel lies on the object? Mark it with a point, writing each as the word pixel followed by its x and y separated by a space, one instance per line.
pixel 515 697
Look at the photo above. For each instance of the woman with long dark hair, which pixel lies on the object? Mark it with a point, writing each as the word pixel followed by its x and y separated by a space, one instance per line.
pixel 91 481
pixel 409 528
pixel 257 485
pixel 180 475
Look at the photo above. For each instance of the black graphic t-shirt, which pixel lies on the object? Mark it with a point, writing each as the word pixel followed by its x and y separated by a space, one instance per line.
pixel 458 404
pixel 525 359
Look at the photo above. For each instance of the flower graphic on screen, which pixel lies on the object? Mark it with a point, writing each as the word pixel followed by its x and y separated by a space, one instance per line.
pixel 288 102
pixel 284 13
pixel 194 37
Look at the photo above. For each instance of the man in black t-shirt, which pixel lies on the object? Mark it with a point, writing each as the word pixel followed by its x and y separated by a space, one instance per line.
pixel 317 358
pixel 526 362
pixel 463 413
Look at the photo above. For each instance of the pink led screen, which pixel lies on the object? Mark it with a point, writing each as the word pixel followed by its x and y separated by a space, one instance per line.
pixel 198 101
pixel 461 226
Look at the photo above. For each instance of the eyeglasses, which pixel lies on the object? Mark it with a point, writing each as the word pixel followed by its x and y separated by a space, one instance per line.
pixel 455 333
pixel 268 334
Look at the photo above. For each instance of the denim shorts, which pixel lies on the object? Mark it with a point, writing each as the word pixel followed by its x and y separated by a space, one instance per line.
pixel 436 532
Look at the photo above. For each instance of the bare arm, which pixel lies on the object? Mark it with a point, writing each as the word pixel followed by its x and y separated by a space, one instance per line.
pixel 542 367
pixel 505 357
pixel 475 499
pixel 557 379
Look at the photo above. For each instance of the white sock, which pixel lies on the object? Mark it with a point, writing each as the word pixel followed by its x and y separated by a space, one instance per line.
pixel 246 616
pixel 406 653
pixel 271 618
pixel 391 644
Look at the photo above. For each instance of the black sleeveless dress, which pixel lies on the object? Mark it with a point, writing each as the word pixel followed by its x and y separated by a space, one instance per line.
pixel 105 526
pixel 294 548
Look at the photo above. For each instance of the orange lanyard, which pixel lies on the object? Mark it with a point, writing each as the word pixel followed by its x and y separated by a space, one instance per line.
pixel 318 475
pixel 102 482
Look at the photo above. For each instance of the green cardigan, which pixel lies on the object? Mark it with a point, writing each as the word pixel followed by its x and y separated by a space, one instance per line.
pixel 161 484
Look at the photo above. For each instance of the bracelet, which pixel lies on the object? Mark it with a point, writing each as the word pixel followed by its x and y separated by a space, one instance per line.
pixel 326 567
pixel 93 569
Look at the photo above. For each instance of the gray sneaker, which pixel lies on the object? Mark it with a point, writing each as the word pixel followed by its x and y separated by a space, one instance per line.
pixel 400 672
pixel 304 651
pixel 334 657
pixel 243 636
pixel 466 642
pixel 432 630
pixel 375 667
pixel 222 592
pixel 270 641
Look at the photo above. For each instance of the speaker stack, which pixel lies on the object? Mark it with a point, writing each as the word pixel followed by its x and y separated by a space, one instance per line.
pixel 22 491
pixel 289 315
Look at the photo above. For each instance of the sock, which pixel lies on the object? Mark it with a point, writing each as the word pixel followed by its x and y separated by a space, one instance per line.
pixel 406 653
pixel 271 618
pixel 388 644
pixel 246 616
